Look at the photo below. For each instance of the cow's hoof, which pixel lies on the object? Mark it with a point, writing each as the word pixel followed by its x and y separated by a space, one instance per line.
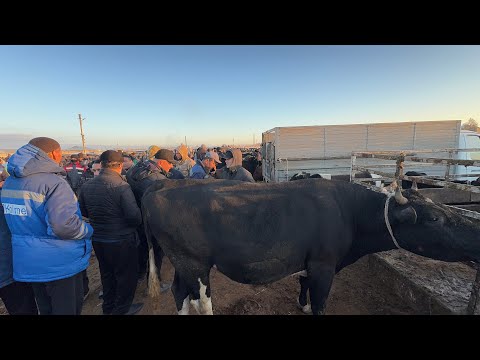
pixel 307 309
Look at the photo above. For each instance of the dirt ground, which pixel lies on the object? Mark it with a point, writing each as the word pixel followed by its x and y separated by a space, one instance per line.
pixel 354 292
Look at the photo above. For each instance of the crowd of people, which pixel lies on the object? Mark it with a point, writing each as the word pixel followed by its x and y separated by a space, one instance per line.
pixel 55 209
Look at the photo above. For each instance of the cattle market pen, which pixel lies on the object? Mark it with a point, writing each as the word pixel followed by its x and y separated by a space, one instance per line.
pixel 351 149
pixel 462 198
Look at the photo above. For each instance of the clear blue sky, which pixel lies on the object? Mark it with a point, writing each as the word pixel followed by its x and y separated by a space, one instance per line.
pixel 143 95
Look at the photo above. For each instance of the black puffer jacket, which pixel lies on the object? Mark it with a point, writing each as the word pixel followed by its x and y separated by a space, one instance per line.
pixel 141 176
pixel 109 203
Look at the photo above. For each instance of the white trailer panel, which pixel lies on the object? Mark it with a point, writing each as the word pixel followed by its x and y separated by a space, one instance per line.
pixel 290 150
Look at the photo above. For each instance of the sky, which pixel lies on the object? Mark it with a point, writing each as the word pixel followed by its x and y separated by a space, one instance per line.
pixel 144 95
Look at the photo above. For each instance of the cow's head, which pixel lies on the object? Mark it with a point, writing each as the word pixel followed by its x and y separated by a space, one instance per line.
pixel 433 230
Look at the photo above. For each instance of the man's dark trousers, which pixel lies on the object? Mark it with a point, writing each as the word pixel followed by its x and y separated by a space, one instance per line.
pixel 60 297
pixel 118 262
pixel 19 299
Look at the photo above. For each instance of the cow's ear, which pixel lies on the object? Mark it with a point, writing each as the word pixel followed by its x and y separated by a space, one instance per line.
pixel 405 216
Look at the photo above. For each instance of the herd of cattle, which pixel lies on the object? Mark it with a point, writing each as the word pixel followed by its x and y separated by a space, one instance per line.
pixel 258 233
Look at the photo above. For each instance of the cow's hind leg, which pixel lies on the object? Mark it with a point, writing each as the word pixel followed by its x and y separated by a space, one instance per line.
pixel 194 286
pixel 198 284
pixel 302 298
pixel 320 277
pixel 201 297
pixel 153 270
pixel 158 255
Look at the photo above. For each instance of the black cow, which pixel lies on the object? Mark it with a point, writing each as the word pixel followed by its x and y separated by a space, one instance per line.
pixel 258 233
pixel 304 175
pixel 253 165
pixel 475 182
pixel 248 162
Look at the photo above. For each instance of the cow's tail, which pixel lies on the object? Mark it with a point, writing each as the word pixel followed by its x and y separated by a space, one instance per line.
pixel 153 280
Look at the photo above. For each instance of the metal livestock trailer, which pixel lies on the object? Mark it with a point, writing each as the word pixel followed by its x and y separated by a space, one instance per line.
pixel 326 149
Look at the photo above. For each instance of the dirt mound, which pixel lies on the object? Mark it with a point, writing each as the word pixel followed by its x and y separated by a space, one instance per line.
pixel 246 307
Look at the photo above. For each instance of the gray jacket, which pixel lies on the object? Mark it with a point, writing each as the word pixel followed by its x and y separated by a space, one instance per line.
pixel 236 171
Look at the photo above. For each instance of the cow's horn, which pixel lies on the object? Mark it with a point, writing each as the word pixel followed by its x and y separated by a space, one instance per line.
pixel 414 186
pixel 402 200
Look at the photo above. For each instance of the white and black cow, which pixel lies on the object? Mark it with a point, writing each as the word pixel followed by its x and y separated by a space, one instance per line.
pixel 258 233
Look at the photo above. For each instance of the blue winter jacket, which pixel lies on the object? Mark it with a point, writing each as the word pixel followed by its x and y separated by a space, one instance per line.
pixel 199 172
pixel 6 276
pixel 50 241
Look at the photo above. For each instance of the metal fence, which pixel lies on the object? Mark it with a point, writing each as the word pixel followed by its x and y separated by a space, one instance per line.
pixel 401 158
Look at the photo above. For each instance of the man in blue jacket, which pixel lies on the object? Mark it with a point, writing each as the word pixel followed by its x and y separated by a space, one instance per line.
pixel 205 168
pixel 51 243
pixel 17 296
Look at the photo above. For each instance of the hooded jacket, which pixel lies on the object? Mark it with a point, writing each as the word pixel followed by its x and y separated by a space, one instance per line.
pixel 6 271
pixel 186 164
pixel 50 241
pixel 168 170
pixel 236 171
pixel 141 176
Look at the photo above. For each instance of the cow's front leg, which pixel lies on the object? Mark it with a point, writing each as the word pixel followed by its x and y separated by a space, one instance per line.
pixel 320 277
pixel 181 294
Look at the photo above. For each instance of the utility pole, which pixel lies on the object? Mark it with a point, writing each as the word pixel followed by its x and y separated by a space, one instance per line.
pixel 81 132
